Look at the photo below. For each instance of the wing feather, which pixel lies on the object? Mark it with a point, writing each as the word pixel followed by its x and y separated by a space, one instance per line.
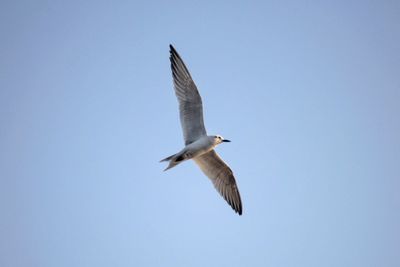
pixel 222 177
pixel 190 103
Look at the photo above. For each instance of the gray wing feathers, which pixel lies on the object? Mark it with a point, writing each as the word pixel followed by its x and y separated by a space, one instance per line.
pixel 190 104
pixel 222 177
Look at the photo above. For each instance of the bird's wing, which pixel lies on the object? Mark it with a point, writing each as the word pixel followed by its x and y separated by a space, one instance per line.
pixel 190 104
pixel 222 177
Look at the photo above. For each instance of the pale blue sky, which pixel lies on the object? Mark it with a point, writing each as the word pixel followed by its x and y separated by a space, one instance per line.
pixel 308 92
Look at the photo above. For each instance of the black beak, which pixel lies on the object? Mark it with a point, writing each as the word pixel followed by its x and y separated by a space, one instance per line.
pixel 226 140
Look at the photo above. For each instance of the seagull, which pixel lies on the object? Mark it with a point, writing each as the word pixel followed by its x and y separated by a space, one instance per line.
pixel 198 145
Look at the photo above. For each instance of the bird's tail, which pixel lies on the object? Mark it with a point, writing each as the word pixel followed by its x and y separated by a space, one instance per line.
pixel 174 160
pixel 168 158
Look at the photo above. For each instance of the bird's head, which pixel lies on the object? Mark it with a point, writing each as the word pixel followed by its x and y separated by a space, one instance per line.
pixel 219 139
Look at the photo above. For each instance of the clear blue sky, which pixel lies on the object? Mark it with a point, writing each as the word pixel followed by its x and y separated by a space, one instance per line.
pixel 308 92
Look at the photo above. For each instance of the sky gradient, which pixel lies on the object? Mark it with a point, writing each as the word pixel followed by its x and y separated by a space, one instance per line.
pixel 308 92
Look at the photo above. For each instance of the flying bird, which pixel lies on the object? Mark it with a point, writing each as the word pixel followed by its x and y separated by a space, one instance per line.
pixel 198 145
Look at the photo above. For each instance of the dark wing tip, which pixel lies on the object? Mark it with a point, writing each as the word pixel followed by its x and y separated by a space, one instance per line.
pixel 172 50
pixel 174 56
pixel 177 64
pixel 232 196
pixel 238 208
pixel 235 200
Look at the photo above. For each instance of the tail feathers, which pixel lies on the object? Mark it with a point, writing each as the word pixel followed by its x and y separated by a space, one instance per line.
pixel 171 165
pixel 173 161
pixel 168 158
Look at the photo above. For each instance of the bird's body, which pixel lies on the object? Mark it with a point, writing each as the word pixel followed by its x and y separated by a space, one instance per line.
pixel 198 145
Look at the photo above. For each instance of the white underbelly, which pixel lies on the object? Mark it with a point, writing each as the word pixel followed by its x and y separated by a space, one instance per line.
pixel 198 148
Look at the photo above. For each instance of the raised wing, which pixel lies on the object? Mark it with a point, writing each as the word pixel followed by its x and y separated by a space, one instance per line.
pixel 222 177
pixel 190 104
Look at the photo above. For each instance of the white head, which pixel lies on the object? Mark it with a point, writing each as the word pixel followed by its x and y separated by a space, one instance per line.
pixel 219 139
